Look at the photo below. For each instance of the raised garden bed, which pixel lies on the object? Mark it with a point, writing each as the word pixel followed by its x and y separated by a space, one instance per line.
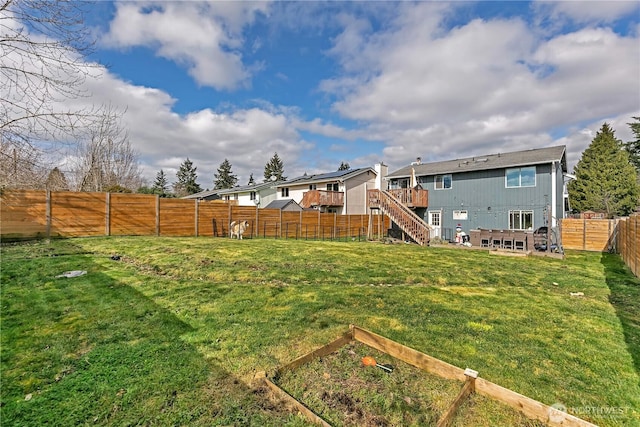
pixel 332 386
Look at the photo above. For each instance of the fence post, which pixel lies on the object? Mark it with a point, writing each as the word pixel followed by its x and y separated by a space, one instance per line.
pixel 584 234
pixel 48 213
pixel 107 215
pixel 635 240
pixel 157 214
pixel 256 231
pixel 196 224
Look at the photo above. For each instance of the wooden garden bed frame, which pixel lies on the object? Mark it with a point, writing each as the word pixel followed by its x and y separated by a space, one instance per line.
pixel 472 383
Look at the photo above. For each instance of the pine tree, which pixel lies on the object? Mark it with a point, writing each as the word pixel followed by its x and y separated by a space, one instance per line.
pixel 344 166
pixel 251 180
pixel 161 184
pixel 186 180
pixel 274 169
pixel 56 181
pixel 633 147
pixel 224 178
pixel 605 179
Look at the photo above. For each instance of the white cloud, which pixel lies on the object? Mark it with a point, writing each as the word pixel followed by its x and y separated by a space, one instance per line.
pixel 585 12
pixel 485 86
pixel 164 139
pixel 204 37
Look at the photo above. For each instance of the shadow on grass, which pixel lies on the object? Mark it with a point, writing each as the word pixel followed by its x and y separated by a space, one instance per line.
pixel 625 298
pixel 92 350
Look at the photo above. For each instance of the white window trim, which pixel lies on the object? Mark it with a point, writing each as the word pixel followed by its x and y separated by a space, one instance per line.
pixel 435 180
pixel 521 211
pixel 506 177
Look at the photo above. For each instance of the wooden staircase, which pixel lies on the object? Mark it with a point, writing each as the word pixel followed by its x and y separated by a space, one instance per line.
pixel 404 217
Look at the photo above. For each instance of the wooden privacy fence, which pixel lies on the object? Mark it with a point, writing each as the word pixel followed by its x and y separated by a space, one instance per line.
pixel 620 235
pixel 33 214
pixel 589 234
pixel 628 242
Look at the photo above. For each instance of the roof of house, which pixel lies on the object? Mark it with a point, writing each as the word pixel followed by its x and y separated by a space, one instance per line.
pixel 490 161
pixel 281 204
pixel 202 194
pixel 341 175
pixel 248 188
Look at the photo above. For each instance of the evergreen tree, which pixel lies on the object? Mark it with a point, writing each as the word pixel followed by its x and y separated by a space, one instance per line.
pixel 274 169
pixel 633 147
pixel 344 166
pixel 56 181
pixel 251 180
pixel 161 184
pixel 145 190
pixel 224 178
pixel 605 179
pixel 186 180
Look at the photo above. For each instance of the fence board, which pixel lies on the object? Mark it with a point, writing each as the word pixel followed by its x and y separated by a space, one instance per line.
pixel 132 214
pixel 23 214
pixel 177 217
pixel 213 219
pixel 269 223
pixel 77 214
pixel 588 234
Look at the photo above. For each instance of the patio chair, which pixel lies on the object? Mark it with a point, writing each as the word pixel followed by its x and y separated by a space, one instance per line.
pixel 485 238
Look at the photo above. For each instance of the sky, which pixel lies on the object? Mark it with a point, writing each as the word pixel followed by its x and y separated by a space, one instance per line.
pixel 322 83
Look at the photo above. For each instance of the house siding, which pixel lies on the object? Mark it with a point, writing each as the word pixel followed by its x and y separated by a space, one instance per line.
pixel 487 200
pixel 356 193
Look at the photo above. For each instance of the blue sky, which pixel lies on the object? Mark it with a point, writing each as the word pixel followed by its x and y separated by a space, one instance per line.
pixel 362 82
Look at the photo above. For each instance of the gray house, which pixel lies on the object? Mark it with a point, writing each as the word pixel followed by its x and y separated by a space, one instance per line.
pixel 521 190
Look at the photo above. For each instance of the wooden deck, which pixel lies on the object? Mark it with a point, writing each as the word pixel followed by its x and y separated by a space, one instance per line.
pixel 411 197
pixel 322 198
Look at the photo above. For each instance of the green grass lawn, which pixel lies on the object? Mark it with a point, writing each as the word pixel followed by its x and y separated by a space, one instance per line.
pixel 173 332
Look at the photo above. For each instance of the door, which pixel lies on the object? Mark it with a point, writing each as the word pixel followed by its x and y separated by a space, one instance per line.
pixel 434 221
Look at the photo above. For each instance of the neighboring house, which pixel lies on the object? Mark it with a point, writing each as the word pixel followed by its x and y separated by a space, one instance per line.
pixel 343 192
pixel 204 195
pixel 520 190
pixel 259 195
pixel 288 205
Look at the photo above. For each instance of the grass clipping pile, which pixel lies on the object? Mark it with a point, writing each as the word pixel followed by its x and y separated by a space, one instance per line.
pixel 357 381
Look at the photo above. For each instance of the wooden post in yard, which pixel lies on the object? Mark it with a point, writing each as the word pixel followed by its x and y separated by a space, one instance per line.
pixel 635 246
pixel 107 214
pixel 157 214
pixel 48 213
pixel 257 218
pixel 196 224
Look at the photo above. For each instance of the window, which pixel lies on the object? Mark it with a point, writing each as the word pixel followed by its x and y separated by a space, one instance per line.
pixel 333 187
pixel 443 182
pixel 520 220
pixel 252 195
pixel 285 192
pixel 521 177
pixel 460 215
pixel 313 186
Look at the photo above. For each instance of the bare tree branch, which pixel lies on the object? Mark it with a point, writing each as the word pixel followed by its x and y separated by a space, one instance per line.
pixel 43 44
pixel 106 160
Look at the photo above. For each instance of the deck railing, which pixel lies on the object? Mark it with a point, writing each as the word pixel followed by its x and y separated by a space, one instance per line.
pixel 313 198
pixel 412 197
pixel 404 217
